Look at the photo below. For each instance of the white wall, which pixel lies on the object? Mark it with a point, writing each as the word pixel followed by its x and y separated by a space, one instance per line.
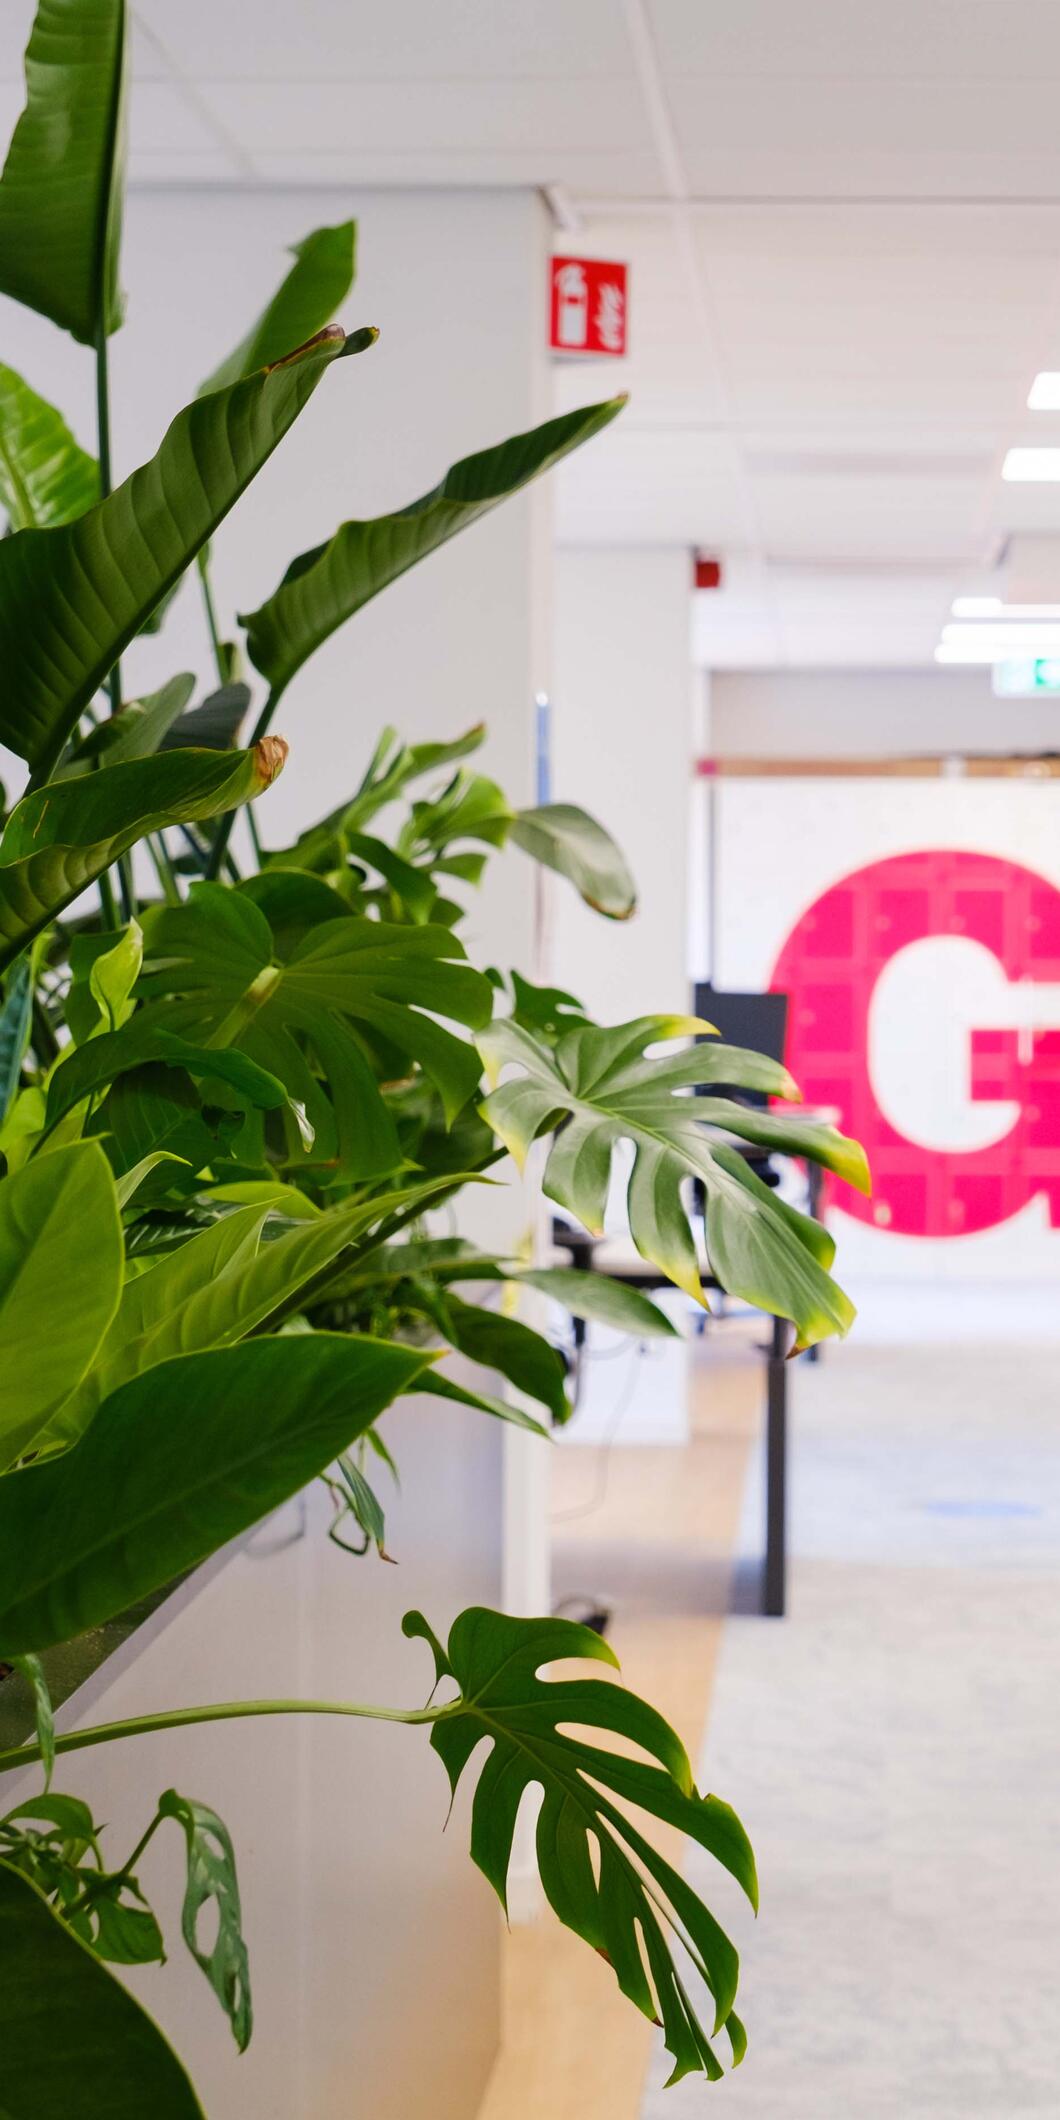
pixel 623 737
pixel 869 713
pixel 375 1945
pixel 622 746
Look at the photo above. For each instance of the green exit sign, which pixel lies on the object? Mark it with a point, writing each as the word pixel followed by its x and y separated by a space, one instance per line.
pixel 1022 676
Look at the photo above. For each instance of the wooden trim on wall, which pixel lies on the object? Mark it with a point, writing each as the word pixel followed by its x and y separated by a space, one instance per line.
pixel 988 767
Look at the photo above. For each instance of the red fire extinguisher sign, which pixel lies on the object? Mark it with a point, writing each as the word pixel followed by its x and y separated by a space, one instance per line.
pixel 588 309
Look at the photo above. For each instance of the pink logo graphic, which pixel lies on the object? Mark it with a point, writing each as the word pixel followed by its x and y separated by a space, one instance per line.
pixel 830 966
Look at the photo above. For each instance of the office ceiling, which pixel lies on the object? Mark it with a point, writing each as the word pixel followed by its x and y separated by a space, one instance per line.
pixel 843 222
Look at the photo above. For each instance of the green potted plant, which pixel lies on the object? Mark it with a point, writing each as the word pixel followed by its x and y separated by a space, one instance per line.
pixel 226 1114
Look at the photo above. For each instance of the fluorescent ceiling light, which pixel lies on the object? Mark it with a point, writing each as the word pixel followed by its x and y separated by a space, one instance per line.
pixel 992 607
pixel 1032 466
pixel 994 643
pixel 1045 391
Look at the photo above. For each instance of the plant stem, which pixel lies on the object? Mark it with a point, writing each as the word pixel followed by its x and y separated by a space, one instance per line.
pixel 224 830
pixel 85 1898
pixel 103 437
pixel 206 585
pixel 159 852
pixel 220 1711
pixel 107 903
pixel 125 872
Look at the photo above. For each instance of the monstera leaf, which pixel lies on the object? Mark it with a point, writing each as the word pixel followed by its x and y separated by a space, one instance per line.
pixel 212 1885
pixel 319 280
pixel 73 2039
pixel 60 839
pixel 328 1004
pixel 175 1464
pixel 72 598
pixel 61 191
pixel 45 478
pixel 591 1856
pixel 323 588
pixel 598 1087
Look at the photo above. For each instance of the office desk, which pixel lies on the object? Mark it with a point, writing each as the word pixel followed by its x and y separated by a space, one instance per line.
pixel 618 1259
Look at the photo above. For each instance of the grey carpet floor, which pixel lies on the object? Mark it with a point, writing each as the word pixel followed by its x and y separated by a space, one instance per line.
pixel 893 1747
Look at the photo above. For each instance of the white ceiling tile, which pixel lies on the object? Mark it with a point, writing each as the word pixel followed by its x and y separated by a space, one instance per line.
pixel 163 120
pixel 635 176
pixel 645 487
pixel 211 166
pixel 829 517
pixel 944 137
pixel 488 117
pixel 405 40
pixel 1019 41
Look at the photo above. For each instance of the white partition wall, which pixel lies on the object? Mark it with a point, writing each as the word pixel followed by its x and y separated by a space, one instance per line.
pixel 622 744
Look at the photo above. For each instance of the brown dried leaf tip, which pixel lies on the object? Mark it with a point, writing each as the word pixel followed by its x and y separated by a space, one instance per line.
pixel 332 335
pixel 270 757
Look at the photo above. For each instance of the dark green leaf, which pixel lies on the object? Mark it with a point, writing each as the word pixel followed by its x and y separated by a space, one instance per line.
pixel 505 1344
pixel 323 588
pixel 70 1817
pixel 599 1082
pixel 569 840
pixel 99 1063
pixel 16 1015
pixel 60 1280
pixel 535 1727
pixel 218 1287
pixel 45 478
pixel 175 1464
pixel 61 191
pixel 434 1383
pixel 363 1505
pixel 595 1295
pixel 136 732
pixel 547 1011
pixel 119 1929
pixel 71 599
pixel 392 766
pixel 63 837
pixel 212 1883
pixel 213 726
pixel 316 286
pixel 73 2040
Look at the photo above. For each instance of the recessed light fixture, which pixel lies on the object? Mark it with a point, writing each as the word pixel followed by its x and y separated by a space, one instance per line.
pixel 994 643
pixel 993 607
pixel 1032 466
pixel 1045 391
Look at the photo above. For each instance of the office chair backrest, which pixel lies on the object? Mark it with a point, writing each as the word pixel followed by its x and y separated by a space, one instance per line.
pixel 759 1021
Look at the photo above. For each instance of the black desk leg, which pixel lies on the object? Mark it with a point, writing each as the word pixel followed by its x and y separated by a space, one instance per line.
pixel 774 1577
